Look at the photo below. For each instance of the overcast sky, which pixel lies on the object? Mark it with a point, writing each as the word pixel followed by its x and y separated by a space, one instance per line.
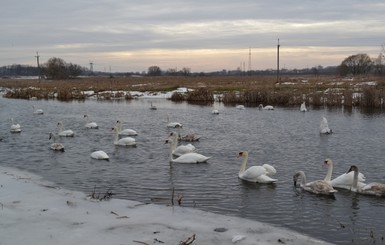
pixel 210 35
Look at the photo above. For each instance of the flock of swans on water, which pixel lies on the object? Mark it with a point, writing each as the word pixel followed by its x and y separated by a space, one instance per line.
pixel 352 180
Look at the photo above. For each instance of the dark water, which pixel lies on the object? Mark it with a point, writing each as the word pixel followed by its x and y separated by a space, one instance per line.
pixel 284 138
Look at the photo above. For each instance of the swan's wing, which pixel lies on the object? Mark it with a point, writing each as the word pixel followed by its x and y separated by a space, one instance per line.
pixel 99 155
pixel 191 158
pixel 128 131
pixel 182 149
pixel 57 146
pixel 265 179
pixel 270 170
pixel 374 188
pixel 346 180
pixel 191 147
pixel 127 141
pixel 324 126
pixel 303 107
pixel 252 173
pixel 319 187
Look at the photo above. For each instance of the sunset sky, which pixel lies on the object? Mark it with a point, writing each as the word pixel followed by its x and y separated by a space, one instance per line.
pixel 131 35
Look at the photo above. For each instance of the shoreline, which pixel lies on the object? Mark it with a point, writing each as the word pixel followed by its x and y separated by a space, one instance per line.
pixel 35 211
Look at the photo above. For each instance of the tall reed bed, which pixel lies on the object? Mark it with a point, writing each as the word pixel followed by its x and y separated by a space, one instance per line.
pixel 253 90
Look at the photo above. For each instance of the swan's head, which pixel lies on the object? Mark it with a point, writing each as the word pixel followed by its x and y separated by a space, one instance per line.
pixel 173 133
pixel 59 124
pixel 352 168
pixel 328 162
pixel 50 135
pixel 85 116
pixel 296 176
pixel 168 141
pixel 243 154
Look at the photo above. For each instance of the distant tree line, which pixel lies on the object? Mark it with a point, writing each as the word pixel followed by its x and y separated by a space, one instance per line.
pixel 54 68
pixel 57 68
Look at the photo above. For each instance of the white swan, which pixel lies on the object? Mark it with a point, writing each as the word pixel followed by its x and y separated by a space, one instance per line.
pixel 345 180
pixel 215 112
pixel 374 188
pixel 303 107
pixel 324 126
pixel 268 107
pixel 65 133
pixel 258 174
pixel 240 107
pixel 100 155
pixel 317 187
pixel 191 157
pixel 90 124
pixel 173 124
pixel 125 132
pixel 37 111
pixel 126 141
pixel 15 127
pixel 181 149
pixel 55 146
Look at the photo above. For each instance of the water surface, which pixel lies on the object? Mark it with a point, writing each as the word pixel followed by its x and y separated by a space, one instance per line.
pixel 285 138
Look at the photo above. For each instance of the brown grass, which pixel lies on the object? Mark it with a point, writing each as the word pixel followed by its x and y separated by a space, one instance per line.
pixel 251 90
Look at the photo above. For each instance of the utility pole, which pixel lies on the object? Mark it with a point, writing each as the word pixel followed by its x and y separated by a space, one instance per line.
pixel 92 67
pixel 38 64
pixel 278 80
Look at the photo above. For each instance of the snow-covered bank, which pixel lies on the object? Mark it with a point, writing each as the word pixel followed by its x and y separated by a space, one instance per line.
pixel 33 211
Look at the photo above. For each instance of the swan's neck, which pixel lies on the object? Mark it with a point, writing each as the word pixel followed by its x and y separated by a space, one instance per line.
pixel 355 181
pixel 328 176
pixel 243 165
pixel 60 128
pixel 87 119
pixel 116 136
pixel 176 138
pixel 303 179
pixel 172 147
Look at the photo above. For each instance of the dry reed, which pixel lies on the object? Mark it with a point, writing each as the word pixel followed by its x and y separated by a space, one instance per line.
pixel 249 90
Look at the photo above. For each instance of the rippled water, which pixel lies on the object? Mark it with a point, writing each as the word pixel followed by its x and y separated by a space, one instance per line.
pixel 285 138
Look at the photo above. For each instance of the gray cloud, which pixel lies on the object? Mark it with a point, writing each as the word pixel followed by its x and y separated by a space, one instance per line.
pixel 84 30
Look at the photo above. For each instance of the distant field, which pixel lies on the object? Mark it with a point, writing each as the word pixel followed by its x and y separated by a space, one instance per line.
pixel 314 90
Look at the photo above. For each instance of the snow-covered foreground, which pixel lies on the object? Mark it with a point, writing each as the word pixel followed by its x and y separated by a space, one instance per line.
pixel 33 211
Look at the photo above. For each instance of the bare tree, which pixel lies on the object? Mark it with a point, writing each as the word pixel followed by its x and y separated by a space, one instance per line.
pixel 357 64
pixel 55 68
pixel 378 62
pixel 185 71
pixel 154 71
pixel 172 72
